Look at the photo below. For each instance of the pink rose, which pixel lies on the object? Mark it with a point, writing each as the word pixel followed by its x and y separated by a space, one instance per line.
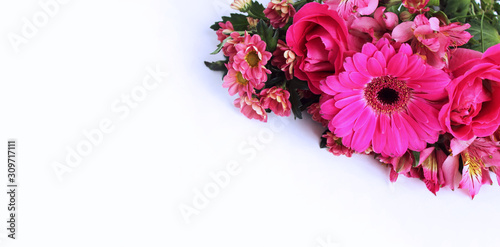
pixel 318 36
pixel 474 106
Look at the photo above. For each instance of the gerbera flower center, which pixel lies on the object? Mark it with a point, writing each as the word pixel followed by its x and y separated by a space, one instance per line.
pixel 387 94
pixel 240 79
pixel 252 59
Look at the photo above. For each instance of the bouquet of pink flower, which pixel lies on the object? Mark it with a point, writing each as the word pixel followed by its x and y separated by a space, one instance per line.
pixel 412 82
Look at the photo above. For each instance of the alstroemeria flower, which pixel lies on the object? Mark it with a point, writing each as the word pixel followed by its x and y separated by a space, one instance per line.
pixel 478 154
pixel 346 8
pixel 416 5
pixel 430 40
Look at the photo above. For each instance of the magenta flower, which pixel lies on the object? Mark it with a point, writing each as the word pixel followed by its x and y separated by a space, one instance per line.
pixel 251 58
pixel 276 99
pixel 279 12
pixel 386 99
pixel 284 58
pixel 314 110
pixel 318 37
pixel 225 30
pixel 236 83
pixel 414 6
pixel 251 108
pixel 474 107
pixel 335 146
pixel 347 8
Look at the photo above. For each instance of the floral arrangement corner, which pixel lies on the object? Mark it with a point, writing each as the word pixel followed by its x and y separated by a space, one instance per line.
pixel 414 83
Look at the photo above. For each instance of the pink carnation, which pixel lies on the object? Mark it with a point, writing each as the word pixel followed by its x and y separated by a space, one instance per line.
pixel 335 146
pixel 251 58
pixel 314 110
pixel 385 98
pixel 279 12
pixel 276 99
pixel 284 58
pixel 251 108
pixel 225 30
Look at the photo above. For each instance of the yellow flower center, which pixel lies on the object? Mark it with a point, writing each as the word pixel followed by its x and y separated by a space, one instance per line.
pixel 252 59
pixel 240 79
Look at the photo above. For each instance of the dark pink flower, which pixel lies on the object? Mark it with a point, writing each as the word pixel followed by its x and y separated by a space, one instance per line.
pixel 318 36
pixel 474 105
pixel 314 110
pixel 385 98
pixel 284 58
pixel 251 108
pixel 335 146
pixel 279 12
pixel 225 30
pixel 276 99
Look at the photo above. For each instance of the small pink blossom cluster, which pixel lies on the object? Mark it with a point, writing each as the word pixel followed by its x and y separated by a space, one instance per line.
pixel 400 82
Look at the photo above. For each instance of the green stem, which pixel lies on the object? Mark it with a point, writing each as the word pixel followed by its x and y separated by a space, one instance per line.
pixel 482 41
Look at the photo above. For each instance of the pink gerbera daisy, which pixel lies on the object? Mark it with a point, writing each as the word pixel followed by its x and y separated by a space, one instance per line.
pixel 251 58
pixel 386 99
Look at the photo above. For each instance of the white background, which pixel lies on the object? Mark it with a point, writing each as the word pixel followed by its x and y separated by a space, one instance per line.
pixel 129 189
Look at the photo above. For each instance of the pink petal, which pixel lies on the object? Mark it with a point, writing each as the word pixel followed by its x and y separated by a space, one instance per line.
pixel 402 32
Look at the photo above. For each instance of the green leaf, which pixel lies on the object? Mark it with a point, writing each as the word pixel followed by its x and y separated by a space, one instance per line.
pixel 239 21
pixel 417 158
pixel 323 141
pixel 219 47
pixel 217 65
pixel 268 35
pixel 490 35
pixel 442 17
pixel 293 85
pixel 256 11
pixel 299 4
pixel 457 8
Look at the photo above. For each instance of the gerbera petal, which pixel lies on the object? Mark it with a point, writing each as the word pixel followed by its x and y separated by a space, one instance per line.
pixel 374 67
pixel 347 115
pixel 397 65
